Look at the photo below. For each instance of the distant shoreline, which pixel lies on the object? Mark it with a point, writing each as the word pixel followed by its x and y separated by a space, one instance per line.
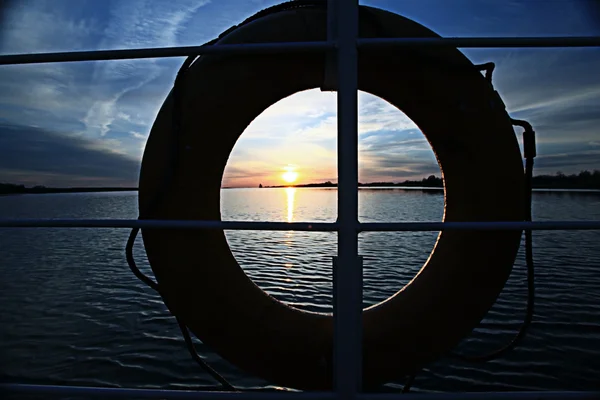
pixel 398 187
pixel 45 190
pixel 584 181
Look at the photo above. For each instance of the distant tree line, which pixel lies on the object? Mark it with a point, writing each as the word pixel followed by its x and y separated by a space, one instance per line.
pixel 583 180
pixel 431 181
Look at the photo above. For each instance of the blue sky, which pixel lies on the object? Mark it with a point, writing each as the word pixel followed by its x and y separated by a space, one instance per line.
pixel 85 124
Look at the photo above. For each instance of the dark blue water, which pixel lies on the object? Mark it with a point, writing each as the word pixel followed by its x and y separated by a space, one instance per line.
pixel 72 313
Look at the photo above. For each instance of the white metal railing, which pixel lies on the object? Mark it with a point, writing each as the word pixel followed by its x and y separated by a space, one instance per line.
pixel 127 393
pixel 282 47
pixel 343 39
pixel 299 226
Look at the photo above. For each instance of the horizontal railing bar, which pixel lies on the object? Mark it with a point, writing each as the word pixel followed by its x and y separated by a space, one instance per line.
pixel 103 392
pixel 163 52
pixel 488 226
pixel 187 394
pixel 484 42
pixel 169 224
pixel 296 226
pixel 253 48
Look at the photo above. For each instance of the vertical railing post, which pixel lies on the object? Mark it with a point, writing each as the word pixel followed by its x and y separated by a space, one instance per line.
pixel 348 268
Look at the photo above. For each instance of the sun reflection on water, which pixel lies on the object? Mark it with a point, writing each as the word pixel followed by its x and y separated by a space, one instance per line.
pixel 291 194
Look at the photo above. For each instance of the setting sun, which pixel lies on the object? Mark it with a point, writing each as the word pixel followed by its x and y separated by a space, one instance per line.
pixel 289 175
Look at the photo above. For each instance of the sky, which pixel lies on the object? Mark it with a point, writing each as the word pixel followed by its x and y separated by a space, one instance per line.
pixel 86 124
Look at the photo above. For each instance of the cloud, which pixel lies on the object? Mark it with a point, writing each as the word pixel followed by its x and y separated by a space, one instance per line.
pixel 397 169
pixel 396 156
pixel 298 114
pixel 568 162
pixel 38 156
pixel 138 135
pixel 557 90
pixel 313 114
pixel 91 94
pixel 133 24
pixel 545 81
pixel 376 114
pixel 44 26
pixel 391 143
pixel 302 129
pixel 323 129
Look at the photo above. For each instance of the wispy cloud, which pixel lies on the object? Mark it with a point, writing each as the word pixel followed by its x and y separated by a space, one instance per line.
pixel 133 24
pixel 42 26
pixel 298 114
pixel 589 159
pixel 100 101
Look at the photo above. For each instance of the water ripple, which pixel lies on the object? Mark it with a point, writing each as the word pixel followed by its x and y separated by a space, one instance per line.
pixel 74 314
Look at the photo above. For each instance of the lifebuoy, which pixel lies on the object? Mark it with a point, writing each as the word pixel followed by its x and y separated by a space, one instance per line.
pixel 471 134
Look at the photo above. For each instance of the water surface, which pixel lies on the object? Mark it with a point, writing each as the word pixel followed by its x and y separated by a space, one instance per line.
pixel 72 313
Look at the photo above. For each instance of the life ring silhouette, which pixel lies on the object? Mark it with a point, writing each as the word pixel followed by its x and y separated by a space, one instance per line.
pixel 470 132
